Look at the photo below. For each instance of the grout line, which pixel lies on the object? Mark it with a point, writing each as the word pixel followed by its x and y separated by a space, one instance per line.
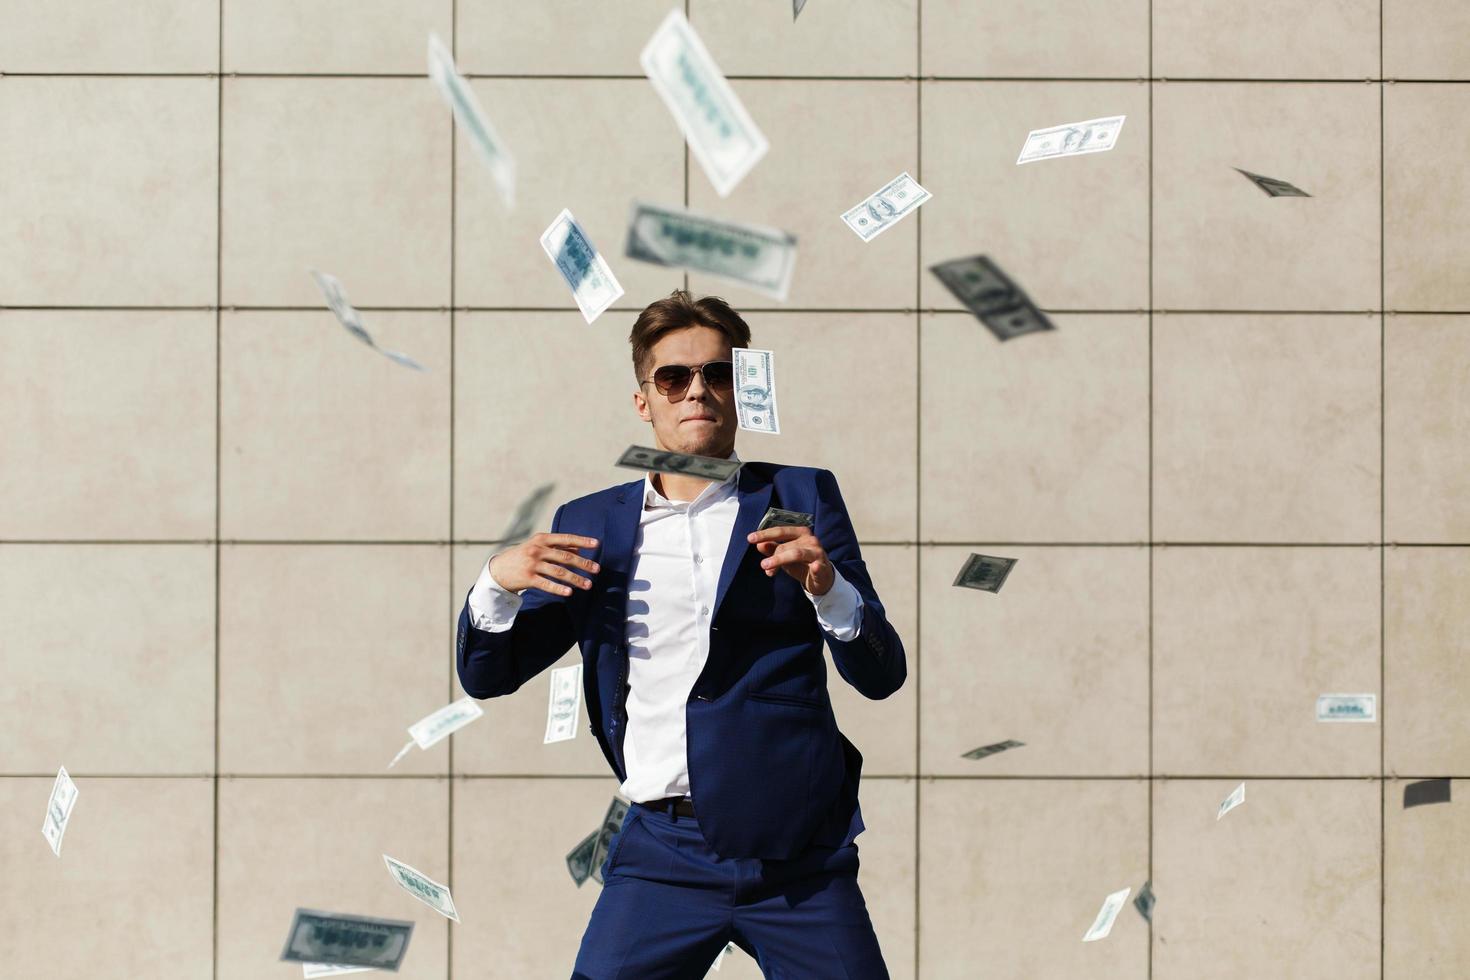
pixel 843 310
pixel 1382 505
pixel 1075 777
pixel 918 474
pixel 449 551
pixel 1150 640
pixel 512 76
pixel 219 250
pixel 987 542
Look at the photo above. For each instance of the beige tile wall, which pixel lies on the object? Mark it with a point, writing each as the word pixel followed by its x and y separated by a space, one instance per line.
pixel 233 541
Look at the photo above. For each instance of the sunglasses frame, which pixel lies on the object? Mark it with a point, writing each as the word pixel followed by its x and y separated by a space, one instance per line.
pixel 691 368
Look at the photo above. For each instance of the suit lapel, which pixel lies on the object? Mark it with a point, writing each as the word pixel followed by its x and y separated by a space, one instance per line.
pixel 755 496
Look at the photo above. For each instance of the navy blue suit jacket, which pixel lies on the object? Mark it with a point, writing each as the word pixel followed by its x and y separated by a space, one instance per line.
pixel 769 772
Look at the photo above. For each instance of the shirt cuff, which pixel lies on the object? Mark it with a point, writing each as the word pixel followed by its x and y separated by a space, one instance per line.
pixel 840 611
pixel 492 608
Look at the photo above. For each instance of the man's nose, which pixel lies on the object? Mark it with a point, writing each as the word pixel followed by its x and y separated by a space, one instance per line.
pixel 697 390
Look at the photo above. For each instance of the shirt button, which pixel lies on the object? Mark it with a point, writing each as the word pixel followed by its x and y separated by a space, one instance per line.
pixel 704 611
pixel 697 559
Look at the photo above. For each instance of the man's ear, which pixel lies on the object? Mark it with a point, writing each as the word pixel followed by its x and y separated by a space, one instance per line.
pixel 640 405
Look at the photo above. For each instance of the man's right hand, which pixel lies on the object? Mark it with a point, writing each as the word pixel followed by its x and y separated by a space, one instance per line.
pixel 545 561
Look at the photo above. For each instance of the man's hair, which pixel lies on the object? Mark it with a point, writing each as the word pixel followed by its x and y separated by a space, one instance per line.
pixel 677 311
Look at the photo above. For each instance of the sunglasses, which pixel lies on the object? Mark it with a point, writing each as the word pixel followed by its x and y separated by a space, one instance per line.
pixel 673 379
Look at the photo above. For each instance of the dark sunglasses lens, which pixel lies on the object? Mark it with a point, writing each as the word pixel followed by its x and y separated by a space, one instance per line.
pixel 719 374
pixel 672 378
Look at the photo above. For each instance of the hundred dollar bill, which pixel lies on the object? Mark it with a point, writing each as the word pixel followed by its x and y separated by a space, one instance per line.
pixel 565 706
pixel 472 119
pixel 1235 799
pixel 1071 139
pixel 612 823
pixel 347 940
pixel 885 207
pixel 991 295
pixel 776 517
pixel 680 464
pixel 721 133
pixel 1144 901
pixel 579 861
pixel 58 810
pixel 985 572
pixel 728 949
pixel 755 390
pixel 797 6
pixel 754 256
pixel 422 887
pixel 985 750
pixel 1106 915
pixel 1272 186
pixel 310 971
pixel 1426 791
pixel 445 722
pixel 591 279
pixel 523 524
pixel 1347 707
pixel 351 320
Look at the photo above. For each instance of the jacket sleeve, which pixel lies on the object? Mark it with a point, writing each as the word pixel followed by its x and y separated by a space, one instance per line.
pixel 494 664
pixel 874 661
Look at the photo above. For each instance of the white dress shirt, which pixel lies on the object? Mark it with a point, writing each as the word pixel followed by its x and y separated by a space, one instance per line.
pixel 678 554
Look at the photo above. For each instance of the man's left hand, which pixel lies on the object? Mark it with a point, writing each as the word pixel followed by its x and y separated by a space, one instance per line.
pixel 797 550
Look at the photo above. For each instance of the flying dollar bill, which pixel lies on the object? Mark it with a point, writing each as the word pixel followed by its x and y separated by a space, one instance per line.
pixel 1347 707
pixel 1106 915
pixel 776 517
pixel 422 887
pixel 885 207
pixel 721 133
pixel 754 256
pixel 591 279
pixel 1235 799
pixel 579 860
pixel 612 823
pixel 1071 139
pixel 431 729
pixel 679 464
pixel 310 971
pixel 1144 901
pixel 523 524
pixel 58 810
pixel 797 6
pixel 986 750
pixel 985 572
pixel 347 940
pixel 1272 186
pixel 1426 791
pixel 565 706
pixel 351 320
pixel 991 295
pixel 755 390
pixel 472 119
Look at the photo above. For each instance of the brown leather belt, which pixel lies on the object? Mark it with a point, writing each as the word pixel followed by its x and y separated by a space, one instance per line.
pixel 679 806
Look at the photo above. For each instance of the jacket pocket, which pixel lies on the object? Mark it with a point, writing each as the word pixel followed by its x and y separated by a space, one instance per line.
pixel 771 697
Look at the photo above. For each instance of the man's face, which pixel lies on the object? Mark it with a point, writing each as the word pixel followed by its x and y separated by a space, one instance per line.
pixel 702 422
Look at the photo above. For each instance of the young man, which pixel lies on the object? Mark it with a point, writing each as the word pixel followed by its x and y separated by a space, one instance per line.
pixel 705 681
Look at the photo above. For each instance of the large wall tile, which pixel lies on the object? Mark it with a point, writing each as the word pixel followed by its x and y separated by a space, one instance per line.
pixel 1426 887
pixel 130 896
pixel 555 37
pixel 324 438
pixel 1012 873
pixel 1426 39
pixel 346 175
pixel 1285 885
pixel 87 36
pixel 1262 39
pixel 286 844
pixel 589 146
pixel 1426 207
pixel 108 655
pixel 1219 242
pixel 1266 428
pixel 1426 421
pixel 327 653
pixel 1078 39
pixel 333 36
pixel 109 428
pixel 1057 660
pixel 1426 667
pixel 820 164
pixel 1245 639
pixel 852 38
pixel 110 197
pixel 1043 439
pixel 1073 233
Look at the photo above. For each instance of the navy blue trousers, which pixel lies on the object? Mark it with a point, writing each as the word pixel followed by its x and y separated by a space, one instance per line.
pixel 669 904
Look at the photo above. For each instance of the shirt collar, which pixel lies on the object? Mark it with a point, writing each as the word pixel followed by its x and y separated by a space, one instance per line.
pixel 652 498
